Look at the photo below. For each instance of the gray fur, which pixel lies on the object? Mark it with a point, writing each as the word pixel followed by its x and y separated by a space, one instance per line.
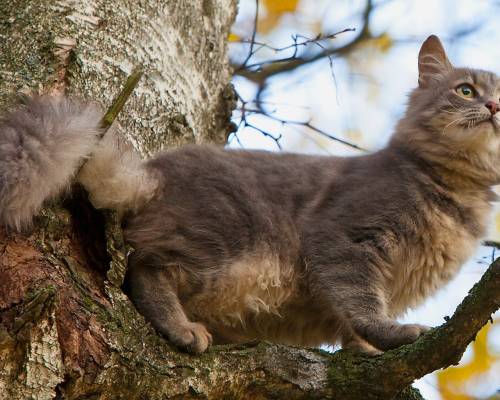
pixel 42 144
pixel 232 246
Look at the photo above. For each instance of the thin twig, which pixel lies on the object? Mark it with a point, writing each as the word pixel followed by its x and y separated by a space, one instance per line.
pixel 254 33
pixel 491 243
pixel 259 72
pixel 296 43
pixel 306 124
pixel 244 122
pixel 117 105
pixel 120 100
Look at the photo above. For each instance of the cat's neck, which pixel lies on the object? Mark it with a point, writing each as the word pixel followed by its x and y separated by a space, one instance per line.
pixel 459 171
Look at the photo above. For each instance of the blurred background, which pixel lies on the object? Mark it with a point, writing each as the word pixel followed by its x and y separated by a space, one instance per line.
pixel 332 77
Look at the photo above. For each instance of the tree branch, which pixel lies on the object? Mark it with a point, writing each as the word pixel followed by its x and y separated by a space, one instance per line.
pixel 121 99
pixel 439 348
pixel 260 72
pixel 306 124
pixel 353 376
pixel 252 40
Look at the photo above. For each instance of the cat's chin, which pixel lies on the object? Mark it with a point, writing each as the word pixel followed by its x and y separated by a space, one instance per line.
pixel 490 126
pixel 496 125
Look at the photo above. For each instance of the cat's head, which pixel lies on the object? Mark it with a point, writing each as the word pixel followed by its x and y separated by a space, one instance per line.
pixel 453 115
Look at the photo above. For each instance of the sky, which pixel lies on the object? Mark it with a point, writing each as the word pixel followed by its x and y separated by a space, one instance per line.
pixel 361 99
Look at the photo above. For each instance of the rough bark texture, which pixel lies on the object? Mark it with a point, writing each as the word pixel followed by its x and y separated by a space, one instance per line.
pixel 90 46
pixel 66 329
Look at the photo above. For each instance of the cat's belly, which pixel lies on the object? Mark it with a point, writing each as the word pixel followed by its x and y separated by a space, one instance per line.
pixel 260 298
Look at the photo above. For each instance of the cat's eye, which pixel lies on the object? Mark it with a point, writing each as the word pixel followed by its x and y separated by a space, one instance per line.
pixel 466 91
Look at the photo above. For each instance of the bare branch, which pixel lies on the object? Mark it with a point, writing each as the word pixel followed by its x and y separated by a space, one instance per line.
pixel 295 46
pixel 358 377
pixel 254 33
pixel 243 123
pixel 307 124
pixel 491 243
pixel 261 71
pixel 121 99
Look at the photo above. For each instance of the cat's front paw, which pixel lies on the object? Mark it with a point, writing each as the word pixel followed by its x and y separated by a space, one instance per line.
pixel 402 334
pixel 411 332
pixel 192 337
pixel 386 334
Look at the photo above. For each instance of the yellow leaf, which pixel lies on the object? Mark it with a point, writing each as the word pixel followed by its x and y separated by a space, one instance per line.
pixel 233 37
pixel 452 381
pixel 268 23
pixel 354 135
pixel 274 11
pixel 280 6
pixel 384 42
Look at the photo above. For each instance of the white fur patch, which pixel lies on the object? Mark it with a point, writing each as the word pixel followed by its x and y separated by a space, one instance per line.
pixel 116 178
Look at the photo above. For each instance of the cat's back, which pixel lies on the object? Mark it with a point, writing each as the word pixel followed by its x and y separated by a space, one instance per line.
pixel 264 170
pixel 250 188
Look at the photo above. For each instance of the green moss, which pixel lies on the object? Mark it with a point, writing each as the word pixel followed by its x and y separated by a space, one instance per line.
pixel 35 304
pixel 409 393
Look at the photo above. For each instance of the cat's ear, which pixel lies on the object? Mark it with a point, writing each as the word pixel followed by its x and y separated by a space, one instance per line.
pixel 432 61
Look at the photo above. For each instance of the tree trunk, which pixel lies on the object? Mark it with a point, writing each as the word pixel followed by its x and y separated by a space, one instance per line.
pixel 66 329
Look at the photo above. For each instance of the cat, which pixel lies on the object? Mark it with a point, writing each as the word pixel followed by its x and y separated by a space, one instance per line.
pixel 234 246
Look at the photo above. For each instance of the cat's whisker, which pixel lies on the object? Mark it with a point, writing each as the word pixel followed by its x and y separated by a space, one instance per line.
pixel 476 114
pixel 457 121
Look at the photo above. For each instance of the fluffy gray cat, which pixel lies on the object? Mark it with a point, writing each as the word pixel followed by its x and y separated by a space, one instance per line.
pixel 233 246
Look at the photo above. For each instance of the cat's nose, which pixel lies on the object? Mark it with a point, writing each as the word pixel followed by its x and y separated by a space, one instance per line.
pixel 492 106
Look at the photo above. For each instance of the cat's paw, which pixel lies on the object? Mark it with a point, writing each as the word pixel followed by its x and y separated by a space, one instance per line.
pixel 387 334
pixel 410 332
pixel 192 337
pixel 402 334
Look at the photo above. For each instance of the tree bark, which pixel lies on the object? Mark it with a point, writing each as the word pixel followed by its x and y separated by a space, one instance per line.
pixel 88 47
pixel 67 331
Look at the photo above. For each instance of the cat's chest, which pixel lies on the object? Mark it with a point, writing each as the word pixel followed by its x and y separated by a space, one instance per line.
pixel 425 263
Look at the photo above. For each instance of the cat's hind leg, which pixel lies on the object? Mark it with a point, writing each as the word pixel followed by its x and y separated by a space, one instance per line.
pixel 154 294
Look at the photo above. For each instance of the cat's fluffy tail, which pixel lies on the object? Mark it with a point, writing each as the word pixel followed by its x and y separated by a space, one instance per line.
pixel 43 143
pixel 48 142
